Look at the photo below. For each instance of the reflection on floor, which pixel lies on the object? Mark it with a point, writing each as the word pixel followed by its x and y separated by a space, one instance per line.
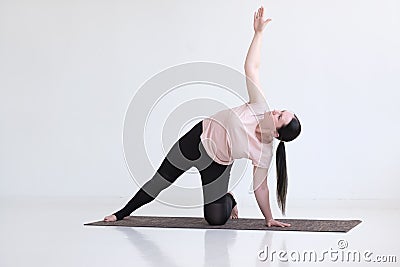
pixel 50 232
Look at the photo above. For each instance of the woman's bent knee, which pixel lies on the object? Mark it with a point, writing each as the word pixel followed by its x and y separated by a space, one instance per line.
pixel 215 216
pixel 215 221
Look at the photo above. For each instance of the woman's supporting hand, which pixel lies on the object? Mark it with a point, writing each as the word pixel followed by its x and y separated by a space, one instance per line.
pixel 259 23
pixel 272 222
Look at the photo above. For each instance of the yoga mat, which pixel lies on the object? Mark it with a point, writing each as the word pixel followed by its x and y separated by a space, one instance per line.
pixel 234 224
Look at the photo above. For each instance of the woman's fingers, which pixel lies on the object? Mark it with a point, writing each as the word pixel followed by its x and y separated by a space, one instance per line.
pixel 277 223
pixel 259 14
pixel 281 224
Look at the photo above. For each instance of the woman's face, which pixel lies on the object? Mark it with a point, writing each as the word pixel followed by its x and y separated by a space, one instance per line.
pixel 272 121
pixel 280 117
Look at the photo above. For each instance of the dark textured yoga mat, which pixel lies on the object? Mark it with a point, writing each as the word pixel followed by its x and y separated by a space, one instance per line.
pixel 236 224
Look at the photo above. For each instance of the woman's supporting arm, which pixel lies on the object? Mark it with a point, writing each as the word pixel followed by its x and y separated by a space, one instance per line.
pixel 261 192
pixel 252 63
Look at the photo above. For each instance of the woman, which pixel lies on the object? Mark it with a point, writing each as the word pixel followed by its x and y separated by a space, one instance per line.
pixel 214 143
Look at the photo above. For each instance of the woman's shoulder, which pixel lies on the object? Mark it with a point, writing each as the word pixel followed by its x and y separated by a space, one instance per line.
pixel 262 104
pixel 256 108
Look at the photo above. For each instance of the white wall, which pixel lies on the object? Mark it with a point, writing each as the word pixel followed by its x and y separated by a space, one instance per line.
pixel 68 70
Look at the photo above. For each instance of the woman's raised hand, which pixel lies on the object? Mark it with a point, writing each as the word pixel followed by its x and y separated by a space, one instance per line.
pixel 259 23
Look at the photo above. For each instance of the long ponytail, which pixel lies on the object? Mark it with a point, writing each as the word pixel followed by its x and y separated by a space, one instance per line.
pixel 286 133
pixel 282 180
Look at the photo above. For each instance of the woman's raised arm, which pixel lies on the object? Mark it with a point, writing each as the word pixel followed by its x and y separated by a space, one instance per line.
pixel 252 63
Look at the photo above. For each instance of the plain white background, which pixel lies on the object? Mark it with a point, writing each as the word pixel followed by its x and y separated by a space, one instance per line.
pixel 68 70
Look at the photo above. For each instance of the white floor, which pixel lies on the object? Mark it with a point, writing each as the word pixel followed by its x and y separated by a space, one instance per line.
pixel 50 232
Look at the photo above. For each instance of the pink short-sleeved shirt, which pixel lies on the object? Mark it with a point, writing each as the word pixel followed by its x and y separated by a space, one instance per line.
pixel 231 134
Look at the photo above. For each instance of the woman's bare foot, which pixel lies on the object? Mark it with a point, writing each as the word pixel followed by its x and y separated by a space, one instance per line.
pixel 110 218
pixel 235 212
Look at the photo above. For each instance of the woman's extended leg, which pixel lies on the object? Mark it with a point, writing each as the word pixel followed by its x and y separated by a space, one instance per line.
pixel 179 159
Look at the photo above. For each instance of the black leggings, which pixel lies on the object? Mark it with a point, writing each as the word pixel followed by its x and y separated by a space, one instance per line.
pixel 189 152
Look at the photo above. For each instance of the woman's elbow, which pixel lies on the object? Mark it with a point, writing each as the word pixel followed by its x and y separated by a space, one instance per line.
pixel 250 69
pixel 261 188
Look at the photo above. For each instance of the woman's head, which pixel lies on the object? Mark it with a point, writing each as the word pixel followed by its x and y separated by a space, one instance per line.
pixel 288 127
